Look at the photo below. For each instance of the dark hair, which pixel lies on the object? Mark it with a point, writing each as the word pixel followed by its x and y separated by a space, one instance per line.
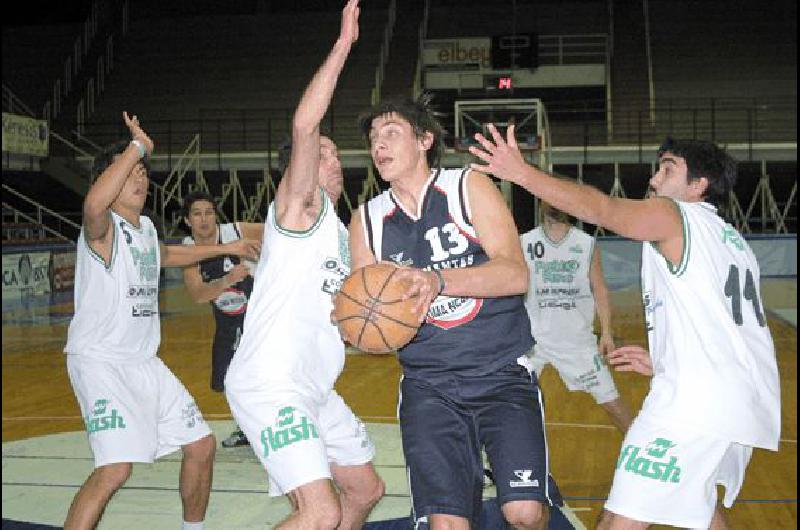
pixel 417 113
pixel 285 150
pixel 705 160
pixel 548 210
pixel 195 196
pixel 105 158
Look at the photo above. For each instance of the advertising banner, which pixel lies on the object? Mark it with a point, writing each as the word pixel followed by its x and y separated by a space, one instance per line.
pixel 23 135
pixel 26 274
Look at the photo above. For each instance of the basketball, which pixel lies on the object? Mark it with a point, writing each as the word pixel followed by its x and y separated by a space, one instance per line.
pixel 371 312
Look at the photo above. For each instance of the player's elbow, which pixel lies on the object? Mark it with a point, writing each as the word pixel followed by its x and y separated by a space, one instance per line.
pixel 304 125
pixel 518 279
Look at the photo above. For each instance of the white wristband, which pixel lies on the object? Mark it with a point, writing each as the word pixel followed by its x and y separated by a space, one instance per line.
pixel 140 146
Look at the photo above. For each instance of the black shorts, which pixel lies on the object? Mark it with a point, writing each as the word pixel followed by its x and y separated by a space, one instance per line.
pixel 445 425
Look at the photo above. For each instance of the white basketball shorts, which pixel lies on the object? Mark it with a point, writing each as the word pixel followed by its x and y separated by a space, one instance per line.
pixel 668 474
pixel 297 438
pixel 133 412
pixel 581 370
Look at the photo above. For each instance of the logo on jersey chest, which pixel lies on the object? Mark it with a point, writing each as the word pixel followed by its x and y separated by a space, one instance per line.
pixel 231 302
pixel 557 270
pixel 334 271
pixel 448 312
pixel 398 258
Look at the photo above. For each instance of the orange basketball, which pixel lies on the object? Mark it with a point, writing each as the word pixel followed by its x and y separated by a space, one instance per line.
pixel 371 312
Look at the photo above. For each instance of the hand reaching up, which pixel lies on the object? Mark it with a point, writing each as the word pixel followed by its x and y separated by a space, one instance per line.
pixel 137 133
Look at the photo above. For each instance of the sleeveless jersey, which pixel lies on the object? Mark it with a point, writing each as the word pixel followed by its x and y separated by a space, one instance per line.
pixel 289 342
pixel 461 335
pixel 230 306
pixel 559 301
pixel 116 306
pixel 713 358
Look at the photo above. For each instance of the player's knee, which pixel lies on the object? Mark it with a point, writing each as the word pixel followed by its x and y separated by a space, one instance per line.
pixel 525 514
pixel 112 476
pixel 364 492
pixel 202 450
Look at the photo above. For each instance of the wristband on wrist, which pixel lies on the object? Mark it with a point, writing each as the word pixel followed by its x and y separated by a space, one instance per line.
pixel 140 146
pixel 438 274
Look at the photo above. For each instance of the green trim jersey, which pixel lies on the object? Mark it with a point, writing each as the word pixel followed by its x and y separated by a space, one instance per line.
pixel 713 358
pixel 289 342
pixel 559 299
pixel 116 304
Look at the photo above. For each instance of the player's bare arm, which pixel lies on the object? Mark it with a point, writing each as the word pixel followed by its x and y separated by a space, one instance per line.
pixel 505 273
pixel 656 219
pixel 201 291
pixel 298 196
pixel 184 255
pixel 360 254
pixel 602 303
pixel 96 216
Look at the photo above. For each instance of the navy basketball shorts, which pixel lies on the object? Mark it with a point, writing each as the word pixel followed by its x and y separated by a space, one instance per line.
pixel 445 424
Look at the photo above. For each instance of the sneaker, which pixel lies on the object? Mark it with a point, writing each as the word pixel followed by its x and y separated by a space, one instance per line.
pixel 236 439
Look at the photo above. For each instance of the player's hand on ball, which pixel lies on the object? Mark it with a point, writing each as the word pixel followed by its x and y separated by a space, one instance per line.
pixel 631 359
pixel 424 285
pixel 246 248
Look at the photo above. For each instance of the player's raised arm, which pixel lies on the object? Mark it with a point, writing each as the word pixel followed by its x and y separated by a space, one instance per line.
pixel 107 187
pixel 656 219
pixel 298 190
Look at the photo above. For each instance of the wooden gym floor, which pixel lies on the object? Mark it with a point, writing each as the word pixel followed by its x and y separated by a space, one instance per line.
pixel 38 400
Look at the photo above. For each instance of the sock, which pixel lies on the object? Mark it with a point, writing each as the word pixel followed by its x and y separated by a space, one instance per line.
pixel 192 526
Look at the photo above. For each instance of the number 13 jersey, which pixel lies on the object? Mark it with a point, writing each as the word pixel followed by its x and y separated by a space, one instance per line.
pixel 713 358
pixel 461 335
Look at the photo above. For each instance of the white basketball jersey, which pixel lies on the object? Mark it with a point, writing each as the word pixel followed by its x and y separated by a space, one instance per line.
pixel 559 300
pixel 713 357
pixel 289 342
pixel 116 306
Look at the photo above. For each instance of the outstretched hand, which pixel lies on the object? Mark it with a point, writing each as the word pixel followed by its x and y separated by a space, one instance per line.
pixel 137 133
pixel 246 248
pixel 631 359
pixel 502 156
pixel 349 30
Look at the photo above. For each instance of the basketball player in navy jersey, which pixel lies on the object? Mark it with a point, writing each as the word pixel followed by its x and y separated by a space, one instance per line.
pixel 467 383
pixel 225 281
